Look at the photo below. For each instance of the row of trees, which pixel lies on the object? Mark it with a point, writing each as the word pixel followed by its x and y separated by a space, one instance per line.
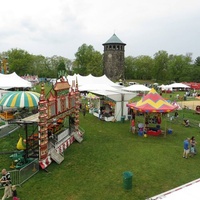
pixel 162 67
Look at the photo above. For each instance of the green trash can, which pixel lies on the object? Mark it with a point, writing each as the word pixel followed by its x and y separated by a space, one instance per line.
pixel 122 119
pixel 127 180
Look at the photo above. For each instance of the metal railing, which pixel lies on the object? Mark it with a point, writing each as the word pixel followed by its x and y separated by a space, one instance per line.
pixel 18 177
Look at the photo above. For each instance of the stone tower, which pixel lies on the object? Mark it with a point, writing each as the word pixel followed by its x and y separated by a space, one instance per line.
pixel 113 58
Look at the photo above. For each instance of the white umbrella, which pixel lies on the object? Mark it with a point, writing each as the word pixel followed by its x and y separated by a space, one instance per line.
pixel 136 88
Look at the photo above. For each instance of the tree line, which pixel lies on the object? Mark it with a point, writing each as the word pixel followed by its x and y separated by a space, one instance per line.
pixel 163 67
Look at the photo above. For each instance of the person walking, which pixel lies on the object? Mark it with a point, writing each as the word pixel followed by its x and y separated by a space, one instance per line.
pixel 186 148
pixel 6 183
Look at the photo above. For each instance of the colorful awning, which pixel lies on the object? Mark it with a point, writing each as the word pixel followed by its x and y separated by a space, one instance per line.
pixel 20 99
pixel 152 102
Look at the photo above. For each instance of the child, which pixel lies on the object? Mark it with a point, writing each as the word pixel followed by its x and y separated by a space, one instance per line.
pixel 14 190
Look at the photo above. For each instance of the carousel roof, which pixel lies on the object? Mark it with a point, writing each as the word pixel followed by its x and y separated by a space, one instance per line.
pixel 152 102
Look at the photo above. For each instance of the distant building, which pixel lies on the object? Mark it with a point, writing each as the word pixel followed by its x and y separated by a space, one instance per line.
pixel 113 58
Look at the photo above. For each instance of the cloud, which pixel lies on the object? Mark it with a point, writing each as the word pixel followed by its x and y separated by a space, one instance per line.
pixel 59 27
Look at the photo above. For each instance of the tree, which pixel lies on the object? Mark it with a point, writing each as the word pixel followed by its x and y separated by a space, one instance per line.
pixel 144 64
pixel 160 68
pixel 20 61
pixel 179 68
pixel 130 69
pixel 197 61
pixel 88 61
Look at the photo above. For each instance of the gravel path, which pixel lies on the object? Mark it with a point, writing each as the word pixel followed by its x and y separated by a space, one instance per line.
pixel 190 104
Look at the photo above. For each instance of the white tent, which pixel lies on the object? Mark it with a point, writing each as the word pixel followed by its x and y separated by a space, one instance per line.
pixel 96 87
pixel 184 192
pixel 178 85
pixel 121 98
pixel 105 87
pixel 90 79
pixel 8 81
pixel 136 88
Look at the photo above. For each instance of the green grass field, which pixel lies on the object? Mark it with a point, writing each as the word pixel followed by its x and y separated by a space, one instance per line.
pixel 94 169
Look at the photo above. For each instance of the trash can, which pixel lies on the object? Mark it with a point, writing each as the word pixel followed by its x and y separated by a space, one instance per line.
pixel 127 180
pixel 185 98
pixel 122 119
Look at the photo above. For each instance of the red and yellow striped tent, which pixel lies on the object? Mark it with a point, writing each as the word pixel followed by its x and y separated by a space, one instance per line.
pixel 152 103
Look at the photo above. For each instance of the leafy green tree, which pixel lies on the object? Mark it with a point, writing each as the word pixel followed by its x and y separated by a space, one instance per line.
pixel 144 65
pixel 88 61
pixel 195 72
pixel 179 68
pixel 20 61
pixel 160 68
pixel 130 69
pixel 61 69
pixel 197 61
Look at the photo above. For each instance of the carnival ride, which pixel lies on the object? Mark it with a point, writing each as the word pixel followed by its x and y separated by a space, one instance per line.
pixel 54 128
pixel 152 103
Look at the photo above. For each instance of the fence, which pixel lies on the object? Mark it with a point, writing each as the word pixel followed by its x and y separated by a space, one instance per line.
pixel 18 177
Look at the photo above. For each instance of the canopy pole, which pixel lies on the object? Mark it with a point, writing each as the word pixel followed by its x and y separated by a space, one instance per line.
pixel 165 128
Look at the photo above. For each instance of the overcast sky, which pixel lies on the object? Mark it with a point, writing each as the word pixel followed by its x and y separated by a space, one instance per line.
pixel 60 27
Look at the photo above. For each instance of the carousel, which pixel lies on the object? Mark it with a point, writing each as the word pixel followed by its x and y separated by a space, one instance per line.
pixel 153 106
pixel 50 131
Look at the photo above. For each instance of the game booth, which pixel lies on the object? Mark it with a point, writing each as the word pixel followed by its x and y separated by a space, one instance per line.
pixel 152 106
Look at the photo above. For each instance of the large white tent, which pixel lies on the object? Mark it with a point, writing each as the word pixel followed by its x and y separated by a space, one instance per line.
pixel 90 79
pixel 178 85
pixel 105 87
pixel 136 88
pixel 121 98
pixel 94 86
pixel 8 81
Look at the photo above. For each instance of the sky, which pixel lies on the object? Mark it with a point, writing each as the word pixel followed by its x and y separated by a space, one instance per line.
pixel 60 27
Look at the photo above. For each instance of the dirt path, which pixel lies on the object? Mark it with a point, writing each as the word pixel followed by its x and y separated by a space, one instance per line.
pixel 190 104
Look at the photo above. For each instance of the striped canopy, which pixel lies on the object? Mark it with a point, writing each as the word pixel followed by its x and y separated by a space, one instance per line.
pixel 20 99
pixel 152 102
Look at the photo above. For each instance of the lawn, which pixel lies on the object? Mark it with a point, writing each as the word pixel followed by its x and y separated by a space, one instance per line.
pixel 94 169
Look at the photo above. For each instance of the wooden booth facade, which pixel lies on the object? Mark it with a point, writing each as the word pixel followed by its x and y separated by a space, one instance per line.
pixel 58 123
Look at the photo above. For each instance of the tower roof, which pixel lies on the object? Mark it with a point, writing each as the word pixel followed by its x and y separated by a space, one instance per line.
pixel 114 40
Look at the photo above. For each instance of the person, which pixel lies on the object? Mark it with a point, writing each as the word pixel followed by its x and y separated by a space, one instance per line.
pixel 186 148
pixel 14 192
pixel 133 126
pixel 100 113
pixel 186 122
pixel 6 182
pixel 84 110
pixel 176 114
pixel 193 146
